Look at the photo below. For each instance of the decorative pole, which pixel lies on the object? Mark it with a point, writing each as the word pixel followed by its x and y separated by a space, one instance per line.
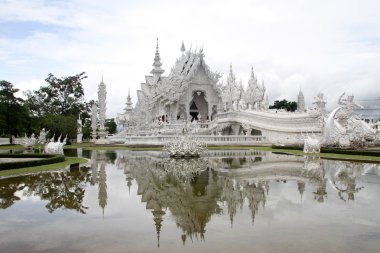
pixel 79 130
pixel 94 112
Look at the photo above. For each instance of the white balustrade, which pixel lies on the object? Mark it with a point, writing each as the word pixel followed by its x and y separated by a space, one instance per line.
pixel 208 139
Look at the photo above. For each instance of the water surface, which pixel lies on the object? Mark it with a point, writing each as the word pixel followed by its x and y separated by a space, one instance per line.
pixel 246 201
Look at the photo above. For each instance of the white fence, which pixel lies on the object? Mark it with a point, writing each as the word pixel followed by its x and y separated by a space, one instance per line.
pixel 4 141
pixel 216 140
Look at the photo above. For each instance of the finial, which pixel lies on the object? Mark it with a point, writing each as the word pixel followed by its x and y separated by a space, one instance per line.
pixel 183 47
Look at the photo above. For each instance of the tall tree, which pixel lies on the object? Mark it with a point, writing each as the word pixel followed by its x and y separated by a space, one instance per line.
pixel 61 100
pixel 61 96
pixel 14 117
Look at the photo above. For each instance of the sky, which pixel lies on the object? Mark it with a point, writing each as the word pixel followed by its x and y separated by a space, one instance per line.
pixel 329 46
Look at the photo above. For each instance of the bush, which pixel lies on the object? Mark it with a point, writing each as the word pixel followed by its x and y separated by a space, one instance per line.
pixel 294 147
pixel 49 159
pixel 350 152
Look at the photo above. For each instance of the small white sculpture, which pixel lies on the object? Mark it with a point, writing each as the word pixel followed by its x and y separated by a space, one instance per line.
pixel 185 146
pixel 55 147
pixel 29 142
pixel 312 145
pixel 79 130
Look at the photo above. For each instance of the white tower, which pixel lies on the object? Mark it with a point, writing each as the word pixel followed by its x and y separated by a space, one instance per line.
pixel 102 96
pixel 301 102
pixel 157 70
pixel 94 112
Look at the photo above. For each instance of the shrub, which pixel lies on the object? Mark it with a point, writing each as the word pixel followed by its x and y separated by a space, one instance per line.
pixel 47 159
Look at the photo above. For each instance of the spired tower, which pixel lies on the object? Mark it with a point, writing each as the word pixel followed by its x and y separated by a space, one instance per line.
pixel 102 95
pixel 300 102
pixel 157 70
pixel 129 103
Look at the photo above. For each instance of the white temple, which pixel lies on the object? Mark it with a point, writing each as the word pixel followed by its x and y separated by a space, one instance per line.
pixel 192 94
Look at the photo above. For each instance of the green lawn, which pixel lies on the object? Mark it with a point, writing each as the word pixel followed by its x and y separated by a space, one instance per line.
pixel 14 147
pixel 68 161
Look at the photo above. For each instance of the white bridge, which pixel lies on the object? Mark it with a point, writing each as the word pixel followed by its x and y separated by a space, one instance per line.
pixel 235 128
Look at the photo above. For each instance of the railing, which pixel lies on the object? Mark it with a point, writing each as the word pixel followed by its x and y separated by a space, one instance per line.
pixel 208 139
pixel 181 125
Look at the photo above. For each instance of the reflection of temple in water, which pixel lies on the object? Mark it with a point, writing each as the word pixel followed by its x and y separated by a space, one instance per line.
pixel 194 190
pixel 99 176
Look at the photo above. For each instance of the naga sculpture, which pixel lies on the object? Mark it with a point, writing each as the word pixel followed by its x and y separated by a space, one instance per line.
pixel 55 147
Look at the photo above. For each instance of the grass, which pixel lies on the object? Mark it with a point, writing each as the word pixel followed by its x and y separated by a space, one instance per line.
pixel 68 161
pixel 14 147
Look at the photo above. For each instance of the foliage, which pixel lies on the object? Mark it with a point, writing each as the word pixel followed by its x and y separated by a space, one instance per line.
pixel 284 104
pixel 57 105
pixel 14 117
pixel 24 164
pixel 60 125
pixel 110 126
pixel 60 190
pixel 61 96
pixel 87 130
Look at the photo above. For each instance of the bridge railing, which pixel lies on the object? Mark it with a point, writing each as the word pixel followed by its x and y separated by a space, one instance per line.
pixel 208 139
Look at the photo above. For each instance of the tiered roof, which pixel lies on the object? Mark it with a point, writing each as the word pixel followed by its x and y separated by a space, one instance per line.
pixel 169 89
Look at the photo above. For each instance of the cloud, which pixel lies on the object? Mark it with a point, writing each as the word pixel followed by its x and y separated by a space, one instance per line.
pixel 322 46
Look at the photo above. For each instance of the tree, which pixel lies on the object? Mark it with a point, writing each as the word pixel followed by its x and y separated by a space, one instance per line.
pixel 14 117
pixel 284 104
pixel 110 126
pixel 57 105
pixel 61 96
pixel 60 125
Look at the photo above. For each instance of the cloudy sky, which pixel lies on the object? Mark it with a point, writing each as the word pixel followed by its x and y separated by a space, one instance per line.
pixel 328 46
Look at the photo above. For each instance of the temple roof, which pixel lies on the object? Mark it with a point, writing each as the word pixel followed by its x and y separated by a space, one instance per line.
pixel 172 87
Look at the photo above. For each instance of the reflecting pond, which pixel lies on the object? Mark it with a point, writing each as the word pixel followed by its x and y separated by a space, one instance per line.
pixel 140 201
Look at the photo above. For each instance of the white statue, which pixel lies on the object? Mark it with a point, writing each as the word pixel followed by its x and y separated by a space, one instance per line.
pixel 312 145
pixel 79 130
pixel 55 147
pixel 42 138
pixel 29 142
pixel 320 103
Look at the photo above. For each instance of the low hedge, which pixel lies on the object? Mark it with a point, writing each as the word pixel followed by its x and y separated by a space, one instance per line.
pixel 350 152
pixel 48 159
pixel 334 150
pixel 287 147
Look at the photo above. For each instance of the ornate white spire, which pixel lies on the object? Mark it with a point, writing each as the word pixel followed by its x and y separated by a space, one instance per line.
pixel 183 48
pixel 94 112
pixel 157 70
pixel 301 102
pixel 129 103
pixel 102 95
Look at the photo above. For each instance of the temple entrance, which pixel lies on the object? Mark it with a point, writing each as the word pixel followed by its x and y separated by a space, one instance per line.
pixel 198 107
